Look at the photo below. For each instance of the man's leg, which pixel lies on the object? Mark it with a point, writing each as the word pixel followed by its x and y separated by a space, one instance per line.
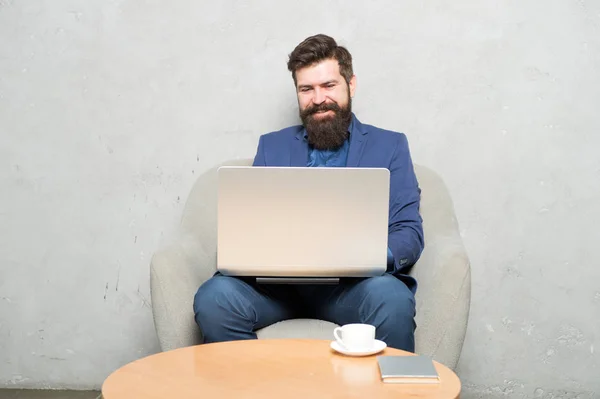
pixel 229 308
pixel 383 301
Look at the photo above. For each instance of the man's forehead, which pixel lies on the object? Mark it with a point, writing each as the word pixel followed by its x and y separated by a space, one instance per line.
pixel 319 73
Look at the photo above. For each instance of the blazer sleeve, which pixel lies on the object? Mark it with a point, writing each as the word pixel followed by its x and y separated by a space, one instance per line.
pixel 405 233
pixel 259 158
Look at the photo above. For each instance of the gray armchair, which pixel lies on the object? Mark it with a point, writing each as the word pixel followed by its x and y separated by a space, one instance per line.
pixel 443 274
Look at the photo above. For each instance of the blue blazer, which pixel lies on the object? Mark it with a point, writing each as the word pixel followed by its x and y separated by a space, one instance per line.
pixel 370 147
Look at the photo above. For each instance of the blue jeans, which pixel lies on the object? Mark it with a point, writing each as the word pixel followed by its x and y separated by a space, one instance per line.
pixel 233 308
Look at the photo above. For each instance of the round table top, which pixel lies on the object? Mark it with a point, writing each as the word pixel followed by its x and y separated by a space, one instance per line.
pixel 266 368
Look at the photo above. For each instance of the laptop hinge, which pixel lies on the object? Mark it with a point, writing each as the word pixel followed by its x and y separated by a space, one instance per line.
pixel 297 280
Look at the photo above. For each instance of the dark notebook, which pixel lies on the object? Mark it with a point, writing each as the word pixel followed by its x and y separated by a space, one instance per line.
pixel 407 369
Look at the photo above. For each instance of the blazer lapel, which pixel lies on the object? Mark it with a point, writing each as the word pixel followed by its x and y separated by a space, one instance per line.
pixel 358 136
pixel 299 150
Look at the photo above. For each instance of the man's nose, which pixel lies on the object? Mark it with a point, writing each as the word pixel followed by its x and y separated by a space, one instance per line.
pixel 319 97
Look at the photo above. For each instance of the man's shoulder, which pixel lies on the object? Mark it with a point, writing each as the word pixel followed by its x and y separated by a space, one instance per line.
pixel 385 135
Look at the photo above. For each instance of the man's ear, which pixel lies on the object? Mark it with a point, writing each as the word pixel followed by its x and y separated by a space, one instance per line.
pixel 352 85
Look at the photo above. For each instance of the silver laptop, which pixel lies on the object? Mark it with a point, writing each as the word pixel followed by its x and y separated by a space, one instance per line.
pixel 302 222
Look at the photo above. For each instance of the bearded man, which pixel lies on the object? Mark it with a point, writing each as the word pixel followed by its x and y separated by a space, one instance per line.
pixel 233 308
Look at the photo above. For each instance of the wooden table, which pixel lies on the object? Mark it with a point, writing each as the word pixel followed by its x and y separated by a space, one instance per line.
pixel 266 368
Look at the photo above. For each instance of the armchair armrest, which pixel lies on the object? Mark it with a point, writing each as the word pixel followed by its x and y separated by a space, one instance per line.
pixel 176 272
pixel 443 297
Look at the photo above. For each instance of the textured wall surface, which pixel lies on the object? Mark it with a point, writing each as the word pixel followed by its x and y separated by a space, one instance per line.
pixel 109 109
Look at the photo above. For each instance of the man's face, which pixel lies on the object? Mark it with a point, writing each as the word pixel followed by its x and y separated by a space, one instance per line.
pixel 324 101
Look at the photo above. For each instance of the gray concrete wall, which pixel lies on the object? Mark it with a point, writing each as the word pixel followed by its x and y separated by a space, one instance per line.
pixel 110 109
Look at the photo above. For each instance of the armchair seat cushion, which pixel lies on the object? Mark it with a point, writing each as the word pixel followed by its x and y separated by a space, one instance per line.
pixel 298 328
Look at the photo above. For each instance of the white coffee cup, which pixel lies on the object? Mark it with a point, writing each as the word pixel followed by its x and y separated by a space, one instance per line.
pixel 355 336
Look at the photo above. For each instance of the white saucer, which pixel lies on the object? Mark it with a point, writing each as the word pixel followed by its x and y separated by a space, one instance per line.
pixel 378 346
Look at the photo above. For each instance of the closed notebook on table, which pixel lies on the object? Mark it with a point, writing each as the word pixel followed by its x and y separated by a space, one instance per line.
pixel 407 370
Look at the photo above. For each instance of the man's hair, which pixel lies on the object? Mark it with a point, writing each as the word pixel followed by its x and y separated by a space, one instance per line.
pixel 315 49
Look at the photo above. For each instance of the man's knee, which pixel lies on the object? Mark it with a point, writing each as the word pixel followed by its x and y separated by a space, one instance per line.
pixel 390 295
pixel 216 298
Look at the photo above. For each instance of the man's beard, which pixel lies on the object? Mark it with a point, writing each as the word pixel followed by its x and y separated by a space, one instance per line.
pixel 329 132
